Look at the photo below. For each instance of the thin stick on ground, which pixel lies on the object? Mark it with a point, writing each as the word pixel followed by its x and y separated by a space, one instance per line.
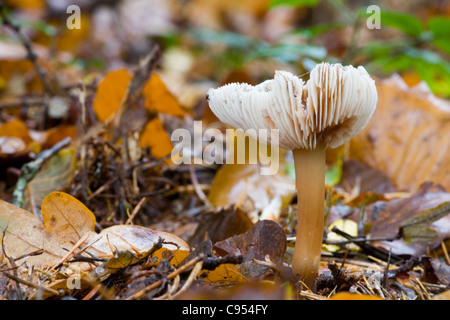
pixel 26 42
pixel 172 275
pixel 136 210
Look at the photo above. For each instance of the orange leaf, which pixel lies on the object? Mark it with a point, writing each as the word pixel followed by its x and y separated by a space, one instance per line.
pixel 159 99
pixel 110 93
pixel 353 296
pixel 26 4
pixel 15 128
pixel 156 138
pixel 65 215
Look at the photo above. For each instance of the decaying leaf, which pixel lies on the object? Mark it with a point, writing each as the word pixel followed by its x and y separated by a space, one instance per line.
pixel 415 229
pixel 407 137
pixel 265 239
pixel 244 185
pixel 56 174
pixel 221 225
pixel 386 217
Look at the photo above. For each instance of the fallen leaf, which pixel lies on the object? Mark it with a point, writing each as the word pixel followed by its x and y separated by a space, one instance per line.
pixel 386 217
pixel 110 93
pixel 442 296
pixel 65 221
pixel 244 185
pixel 225 273
pixel 220 226
pixel 366 179
pixel 415 229
pixel 26 4
pixel 54 135
pixel 407 138
pixel 156 138
pixel 348 226
pixel 353 296
pixel 55 174
pixel 435 271
pixel 265 239
pixel 15 128
pixel 159 99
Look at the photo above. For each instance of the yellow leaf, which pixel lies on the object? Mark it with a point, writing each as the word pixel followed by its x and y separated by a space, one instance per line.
pixel 227 273
pixel 348 226
pixel 353 296
pixel 159 99
pixel 63 214
pixel 110 93
pixel 156 138
pixel 178 256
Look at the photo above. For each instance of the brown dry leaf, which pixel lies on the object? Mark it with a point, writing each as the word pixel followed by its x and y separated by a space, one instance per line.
pixel 159 99
pixel 408 136
pixel 221 225
pixel 66 220
pixel 156 138
pixel 385 218
pixel 110 93
pixel 265 238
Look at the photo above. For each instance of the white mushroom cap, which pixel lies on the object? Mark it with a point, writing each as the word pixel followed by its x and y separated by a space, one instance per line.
pixel 332 107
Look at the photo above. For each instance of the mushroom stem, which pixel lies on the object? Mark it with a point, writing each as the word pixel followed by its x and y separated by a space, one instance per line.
pixel 310 183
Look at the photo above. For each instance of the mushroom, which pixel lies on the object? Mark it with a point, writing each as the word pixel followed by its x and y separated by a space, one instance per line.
pixel 332 107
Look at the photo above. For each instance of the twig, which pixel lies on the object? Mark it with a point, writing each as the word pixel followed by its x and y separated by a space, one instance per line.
pixel 24 103
pixel 75 247
pixel 117 123
pixel 136 210
pixel 26 42
pixel 172 275
pixel 368 248
pixel 30 284
pixel 194 273
pixel 444 248
pixel 197 188
pixel 83 154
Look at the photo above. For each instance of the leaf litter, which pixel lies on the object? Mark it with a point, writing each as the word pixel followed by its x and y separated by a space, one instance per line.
pixel 108 216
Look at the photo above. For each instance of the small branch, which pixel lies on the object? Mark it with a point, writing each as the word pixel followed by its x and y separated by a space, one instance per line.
pixel 30 284
pixel 156 284
pixel 26 42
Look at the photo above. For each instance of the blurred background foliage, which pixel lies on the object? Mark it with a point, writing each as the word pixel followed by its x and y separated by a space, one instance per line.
pixel 205 40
